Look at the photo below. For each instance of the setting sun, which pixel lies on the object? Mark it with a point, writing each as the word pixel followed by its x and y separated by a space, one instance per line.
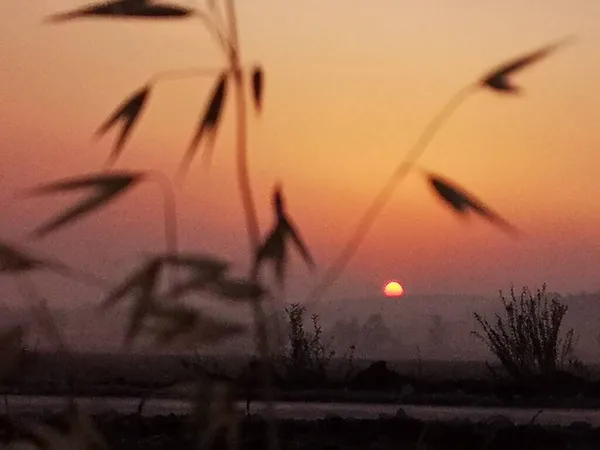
pixel 393 289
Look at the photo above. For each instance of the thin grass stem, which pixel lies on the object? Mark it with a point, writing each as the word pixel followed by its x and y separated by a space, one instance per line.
pixel 242 164
pixel 336 268
pixel 242 137
pixel 220 22
pixel 169 221
pixel 216 31
pixel 169 212
pixel 260 320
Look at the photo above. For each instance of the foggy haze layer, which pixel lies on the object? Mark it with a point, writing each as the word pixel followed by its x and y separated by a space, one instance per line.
pixel 433 327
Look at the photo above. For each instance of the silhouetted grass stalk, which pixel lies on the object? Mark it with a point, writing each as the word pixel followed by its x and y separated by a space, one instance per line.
pixel 249 208
pixel 169 220
pixel 215 29
pixel 169 211
pixel 402 170
pixel 498 80
pixel 242 133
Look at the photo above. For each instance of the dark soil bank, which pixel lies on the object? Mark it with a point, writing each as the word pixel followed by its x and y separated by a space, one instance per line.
pixel 170 432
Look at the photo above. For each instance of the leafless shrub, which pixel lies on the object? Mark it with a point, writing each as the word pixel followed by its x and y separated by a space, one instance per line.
pixel 527 338
pixel 308 354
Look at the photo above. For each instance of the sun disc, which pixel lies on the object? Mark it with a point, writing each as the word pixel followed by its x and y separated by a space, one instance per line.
pixel 393 289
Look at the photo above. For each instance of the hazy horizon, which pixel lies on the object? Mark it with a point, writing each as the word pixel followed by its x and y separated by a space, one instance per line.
pixel 409 324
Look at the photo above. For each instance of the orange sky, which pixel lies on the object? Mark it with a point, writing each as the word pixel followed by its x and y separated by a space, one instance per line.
pixel 349 86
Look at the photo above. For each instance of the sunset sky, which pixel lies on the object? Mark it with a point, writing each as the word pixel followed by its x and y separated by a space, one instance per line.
pixel 349 87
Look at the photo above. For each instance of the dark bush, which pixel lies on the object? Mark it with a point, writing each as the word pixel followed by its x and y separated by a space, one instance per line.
pixel 527 338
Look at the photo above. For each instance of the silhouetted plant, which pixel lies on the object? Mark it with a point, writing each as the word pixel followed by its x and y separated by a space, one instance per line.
pixel 18 262
pixel 323 353
pixel 497 80
pixel 140 9
pixel 225 33
pixel 308 355
pixel 164 311
pixel 178 320
pixel 106 188
pixel 527 338
pixel 274 247
pixel 461 202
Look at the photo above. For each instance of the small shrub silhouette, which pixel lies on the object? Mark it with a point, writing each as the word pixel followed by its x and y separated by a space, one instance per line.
pixel 309 356
pixel 527 337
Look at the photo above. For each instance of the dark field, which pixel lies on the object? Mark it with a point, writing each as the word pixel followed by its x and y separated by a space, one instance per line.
pixel 133 432
pixel 55 370
pixel 410 382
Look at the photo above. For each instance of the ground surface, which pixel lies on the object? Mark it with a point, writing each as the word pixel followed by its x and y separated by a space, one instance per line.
pixel 105 375
pixel 436 383
pixel 133 433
